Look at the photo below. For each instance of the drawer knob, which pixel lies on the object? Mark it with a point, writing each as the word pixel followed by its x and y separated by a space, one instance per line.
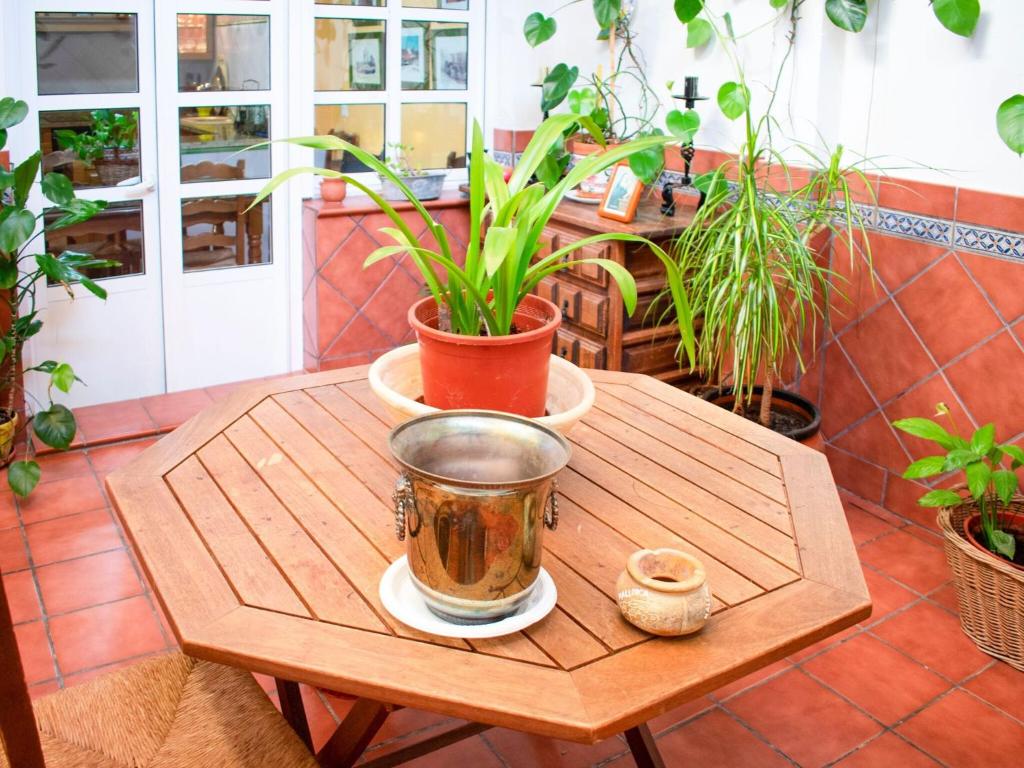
pixel 565 309
pixel 564 352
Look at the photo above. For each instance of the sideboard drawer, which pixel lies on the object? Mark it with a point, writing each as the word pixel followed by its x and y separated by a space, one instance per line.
pixel 548 289
pixel 592 272
pixel 583 352
pixel 650 357
pixel 547 243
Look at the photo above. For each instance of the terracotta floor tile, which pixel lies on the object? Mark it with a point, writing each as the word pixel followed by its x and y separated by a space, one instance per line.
pixel 864 526
pixel 408 720
pixel 107 458
pixel 34 650
pixel 1002 686
pixel 882 513
pixel 174 409
pixel 13 556
pixel 43 689
pixel 524 749
pixel 61 465
pixel 85 581
pixel 926 535
pixel 471 752
pixel 809 723
pixel 73 536
pixel 8 510
pixel 752 679
pixel 829 642
pixel 877 678
pixel 58 498
pixel 714 740
pixel 945 596
pixel 931 636
pixel 919 565
pixel 91 674
pixel 680 714
pixel 888 750
pixel 961 730
pixel 114 421
pixel 321 722
pixel 105 634
pixel 22 599
pixel 886 596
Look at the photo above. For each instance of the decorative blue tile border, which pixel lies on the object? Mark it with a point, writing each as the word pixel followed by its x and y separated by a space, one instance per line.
pixel 912 225
pixel 992 241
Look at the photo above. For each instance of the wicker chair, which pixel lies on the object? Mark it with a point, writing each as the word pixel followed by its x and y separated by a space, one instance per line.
pixel 170 711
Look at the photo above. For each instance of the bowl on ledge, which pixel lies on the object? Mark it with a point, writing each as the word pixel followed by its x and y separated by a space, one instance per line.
pixel 396 380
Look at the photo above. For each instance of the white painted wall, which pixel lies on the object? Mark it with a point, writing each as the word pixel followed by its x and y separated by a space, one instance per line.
pixel 905 89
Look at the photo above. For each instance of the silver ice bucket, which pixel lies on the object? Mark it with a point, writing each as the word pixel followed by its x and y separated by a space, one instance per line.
pixel 477 490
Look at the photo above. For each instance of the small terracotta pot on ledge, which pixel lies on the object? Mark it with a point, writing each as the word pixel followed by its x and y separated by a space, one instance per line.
pixel 664 592
pixel 333 190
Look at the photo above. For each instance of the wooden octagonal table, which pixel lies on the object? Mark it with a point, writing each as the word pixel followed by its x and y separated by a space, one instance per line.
pixel 265 524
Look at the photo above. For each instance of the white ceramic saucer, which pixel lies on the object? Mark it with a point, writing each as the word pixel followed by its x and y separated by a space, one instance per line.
pixel 403 601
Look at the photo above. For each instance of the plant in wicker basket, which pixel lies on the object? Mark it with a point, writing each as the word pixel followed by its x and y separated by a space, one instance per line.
pixel 991 484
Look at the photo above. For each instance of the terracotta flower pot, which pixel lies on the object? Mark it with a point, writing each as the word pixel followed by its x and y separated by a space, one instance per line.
pixel 499 373
pixel 1011 522
pixel 664 592
pixel 333 190
pixel 801 418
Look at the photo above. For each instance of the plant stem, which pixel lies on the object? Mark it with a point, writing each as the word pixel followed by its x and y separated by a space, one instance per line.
pixel 765 416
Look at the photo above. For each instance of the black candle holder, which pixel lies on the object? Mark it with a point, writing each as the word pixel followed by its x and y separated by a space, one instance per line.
pixel 687 151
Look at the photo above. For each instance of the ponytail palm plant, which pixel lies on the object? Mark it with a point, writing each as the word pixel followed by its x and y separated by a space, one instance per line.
pixel 500 269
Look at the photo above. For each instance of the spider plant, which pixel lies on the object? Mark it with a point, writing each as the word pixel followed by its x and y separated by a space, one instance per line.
pixel 482 293
pixel 752 271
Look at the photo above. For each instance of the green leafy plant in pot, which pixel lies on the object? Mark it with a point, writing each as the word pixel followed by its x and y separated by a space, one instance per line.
pixel 22 270
pixel 485 340
pixel 108 145
pixel 991 485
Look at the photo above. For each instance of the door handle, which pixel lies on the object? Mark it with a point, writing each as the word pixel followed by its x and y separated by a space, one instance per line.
pixel 143 187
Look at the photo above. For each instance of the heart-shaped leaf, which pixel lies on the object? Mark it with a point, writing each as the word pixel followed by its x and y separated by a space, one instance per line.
pixel 1010 122
pixel 607 12
pixel 24 176
pixel 8 273
pixel 582 101
pixel 648 164
pixel 55 426
pixel 23 476
pixel 16 229
pixel 683 125
pixel 958 16
pixel 539 28
pixel 12 111
pixel 1002 543
pixel 849 15
pixel 698 32
pixel 687 10
pixel 57 188
pixel 63 377
pixel 733 99
pixel 556 86
pixel 940 498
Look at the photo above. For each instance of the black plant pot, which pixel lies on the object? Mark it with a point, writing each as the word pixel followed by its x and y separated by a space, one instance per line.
pixel 783 402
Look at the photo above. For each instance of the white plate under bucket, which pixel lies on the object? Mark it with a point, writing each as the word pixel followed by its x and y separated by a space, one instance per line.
pixel 396 379
pixel 403 601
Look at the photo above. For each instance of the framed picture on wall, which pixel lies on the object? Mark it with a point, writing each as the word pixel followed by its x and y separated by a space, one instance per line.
pixel 195 36
pixel 451 59
pixel 366 60
pixel 622 196
pixel 414 70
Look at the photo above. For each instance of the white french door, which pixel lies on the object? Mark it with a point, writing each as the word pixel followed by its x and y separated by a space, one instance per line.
pixel 201 296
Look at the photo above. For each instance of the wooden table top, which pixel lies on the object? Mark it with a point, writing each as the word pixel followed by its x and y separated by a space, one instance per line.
pixel 265 524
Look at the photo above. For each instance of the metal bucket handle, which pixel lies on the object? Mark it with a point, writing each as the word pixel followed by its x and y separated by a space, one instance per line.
pixel 405 501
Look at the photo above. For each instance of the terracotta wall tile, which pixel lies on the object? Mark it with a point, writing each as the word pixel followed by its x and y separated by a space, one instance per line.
pixel 875 439
pixel 896 260
pixel 990 209
pixel 901 497
pixel 520 139
pixel 846 397
pixel 936 200
pixel 856 475
pixel 920 402
pixel 502 141
pixel 1001 279
pixel 988 380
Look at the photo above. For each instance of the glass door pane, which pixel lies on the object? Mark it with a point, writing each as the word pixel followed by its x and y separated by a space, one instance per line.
pixel 87 53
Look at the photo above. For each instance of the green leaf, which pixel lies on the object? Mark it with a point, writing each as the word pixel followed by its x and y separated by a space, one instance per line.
pixel 8 273
pixel 926 467
pixel 16 229
pixel 983 439
pixel 12 111
pixel 3 137
pixel 539 28
pixel 978 476
pixel 497 243
pixel 687 10
pixel 24 176
pixel 778 3
pixel 1005 482
pixel 1015 453
pixel 77 211
pixel 63 377
pixel 582 101
pixel 55 426
pixel 848 15
pixel 958 16
pixel 940 498
pixel 607 12
pixel 1010 122
pixel 1002 543
pixel 23 476
pixel 928 430
pixel 733 99
pixel 556 86
pixel 648 164
pixel 683 125
pixel 727 17
pixel 958 458
pixel 57 188
pixel 698 33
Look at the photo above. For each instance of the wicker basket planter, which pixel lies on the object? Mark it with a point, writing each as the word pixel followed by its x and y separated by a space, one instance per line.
pixel 990 592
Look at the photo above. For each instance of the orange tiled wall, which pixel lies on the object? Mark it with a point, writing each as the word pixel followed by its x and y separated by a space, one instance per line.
pixel 353 315
pixel 942 321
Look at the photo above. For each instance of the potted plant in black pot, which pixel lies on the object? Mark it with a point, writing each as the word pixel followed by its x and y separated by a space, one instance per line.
pixel 982 522
pixel 485 339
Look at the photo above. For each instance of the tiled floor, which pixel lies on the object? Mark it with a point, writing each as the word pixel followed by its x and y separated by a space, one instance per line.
pixel 904 688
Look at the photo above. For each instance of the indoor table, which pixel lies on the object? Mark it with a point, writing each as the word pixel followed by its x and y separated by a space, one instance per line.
pixel 265 523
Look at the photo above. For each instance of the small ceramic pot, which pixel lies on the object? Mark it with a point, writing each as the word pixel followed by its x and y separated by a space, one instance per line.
pixel 333 190
pixel 664 592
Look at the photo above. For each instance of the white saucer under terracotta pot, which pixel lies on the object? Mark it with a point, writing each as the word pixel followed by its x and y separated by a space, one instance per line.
pixel 395 378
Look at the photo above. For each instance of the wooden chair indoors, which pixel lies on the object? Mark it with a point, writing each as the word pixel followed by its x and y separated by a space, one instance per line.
pixel 170 711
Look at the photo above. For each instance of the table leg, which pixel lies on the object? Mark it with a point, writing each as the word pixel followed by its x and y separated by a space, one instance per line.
pixel 293 711
pixel 354 734
pixel 644 749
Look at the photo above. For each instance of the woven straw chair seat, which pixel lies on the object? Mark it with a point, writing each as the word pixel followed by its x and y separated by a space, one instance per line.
pixel 171 711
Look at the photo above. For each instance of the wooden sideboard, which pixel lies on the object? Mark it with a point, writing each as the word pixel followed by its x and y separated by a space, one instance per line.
pixel 596 332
